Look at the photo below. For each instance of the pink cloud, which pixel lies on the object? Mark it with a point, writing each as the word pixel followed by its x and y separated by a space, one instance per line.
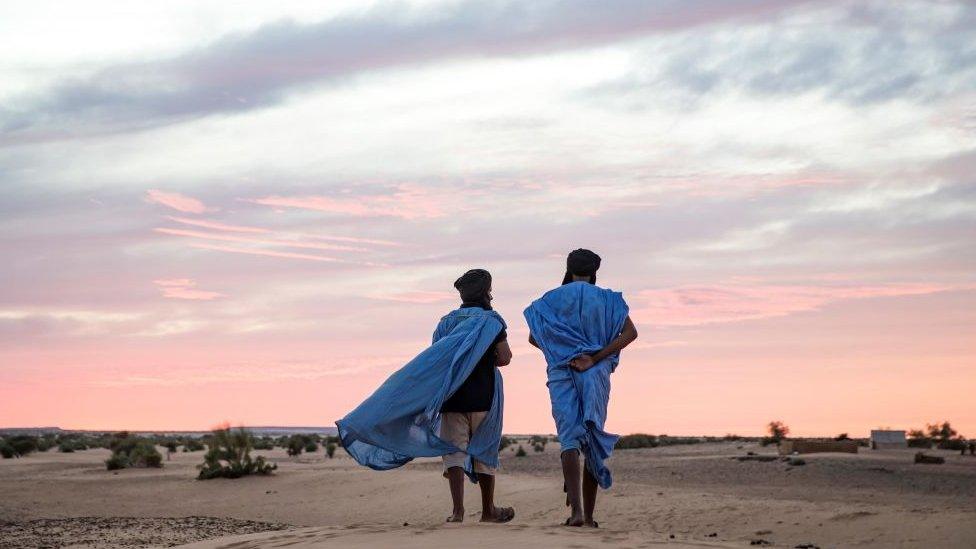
pixel 418 296
pixel 407 202
pixel 263 241
pixel 176 201
pixel 217 226
pixel 182 288
pixel 696 305
pixel 268 253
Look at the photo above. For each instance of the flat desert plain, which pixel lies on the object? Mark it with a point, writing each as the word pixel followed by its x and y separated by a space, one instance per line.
pixel 678 496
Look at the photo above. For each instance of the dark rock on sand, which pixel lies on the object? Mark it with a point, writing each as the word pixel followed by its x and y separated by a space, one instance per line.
pixel 123 532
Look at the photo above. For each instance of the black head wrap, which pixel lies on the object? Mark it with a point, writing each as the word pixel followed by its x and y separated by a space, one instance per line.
pixel 475 287
pixel 581 262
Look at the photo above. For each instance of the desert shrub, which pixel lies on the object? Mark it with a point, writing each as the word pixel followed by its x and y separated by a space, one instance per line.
pixel 941 432
pixel 921 442
pixel 842 436
pixel 732 437
pixel 539 447
pixel 193 445
pixel 132 451
pixel 116 462
pixel 330 448
pixel 170 445
pixel 72 443
pixel 638 440
pixel 45 443
pixel 295 445
pixel 264 443
pixel 22 445
pixel 505 443
pixel 777 431
pixel 536 439
pixel 957 444
pixel 6 450
pixel 229 456
pixel 520 452
pixel 311 447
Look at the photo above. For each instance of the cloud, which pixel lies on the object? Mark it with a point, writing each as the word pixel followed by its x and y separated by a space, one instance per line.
pixel 264 241
pixel 245 71
pixel 183 288
pixel 217 226
pixel 698 305
pixel 267 253
pixel 419 296
pixel 875 52
pixel 406 202
pixel 176 201
pixel 177 375
pixel 21 324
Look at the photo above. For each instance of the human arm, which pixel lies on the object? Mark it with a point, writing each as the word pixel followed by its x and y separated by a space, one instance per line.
pixel 627 336
pixel 533 342
pixel 503 353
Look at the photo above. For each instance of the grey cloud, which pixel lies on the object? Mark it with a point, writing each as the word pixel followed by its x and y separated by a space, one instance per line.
pixel 247 71
pixel 860 60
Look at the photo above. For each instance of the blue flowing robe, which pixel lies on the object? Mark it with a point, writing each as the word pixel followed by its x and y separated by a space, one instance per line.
pixel 569 321
pixel 401 420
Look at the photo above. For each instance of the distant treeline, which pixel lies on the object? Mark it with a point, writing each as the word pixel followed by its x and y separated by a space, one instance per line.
pixel 18 445
pixel 641 440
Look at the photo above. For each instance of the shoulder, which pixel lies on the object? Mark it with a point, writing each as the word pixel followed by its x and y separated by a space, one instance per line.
pixel 472 313
pixel 579 290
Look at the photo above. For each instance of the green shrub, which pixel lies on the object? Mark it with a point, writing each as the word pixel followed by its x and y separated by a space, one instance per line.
pixel 638 440
pixel 66 447
pixel 116 462
pixel 264 443
pixel 505 443
pixel 330 448
pixel 539 447
pixel 132 451
pixel 296 444
pixel 311 447
pixel 229 456
pixel 22 445
pixel 6 450
pixel 520 452
pixel 193 445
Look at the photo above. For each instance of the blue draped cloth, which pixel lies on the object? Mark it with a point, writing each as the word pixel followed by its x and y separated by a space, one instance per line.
pixel 401 420
pixel 575 319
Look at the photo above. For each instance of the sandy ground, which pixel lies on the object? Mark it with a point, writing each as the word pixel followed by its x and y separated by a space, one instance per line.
pixel 684 496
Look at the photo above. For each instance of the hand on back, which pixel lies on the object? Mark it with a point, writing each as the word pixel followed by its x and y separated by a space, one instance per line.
pixel 581 363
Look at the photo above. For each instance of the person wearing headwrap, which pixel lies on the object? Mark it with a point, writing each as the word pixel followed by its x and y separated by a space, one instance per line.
pixel 445 402
pixel 581 265
pixel 581 329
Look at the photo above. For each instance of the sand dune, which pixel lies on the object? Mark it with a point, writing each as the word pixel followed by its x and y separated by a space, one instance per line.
pixel 696 494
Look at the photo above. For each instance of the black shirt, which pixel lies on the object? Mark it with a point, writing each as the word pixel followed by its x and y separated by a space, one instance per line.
pixel 477 392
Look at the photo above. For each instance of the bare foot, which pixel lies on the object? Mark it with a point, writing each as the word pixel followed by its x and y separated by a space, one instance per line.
pixel 499 515
pixel 591 523
pixel 574 520
pixel 458 516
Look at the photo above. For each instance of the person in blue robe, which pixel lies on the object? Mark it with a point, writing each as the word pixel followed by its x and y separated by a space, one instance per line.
pixel 581 329
pixel 445 402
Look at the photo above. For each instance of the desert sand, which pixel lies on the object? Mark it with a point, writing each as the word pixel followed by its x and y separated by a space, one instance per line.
pixel 679 496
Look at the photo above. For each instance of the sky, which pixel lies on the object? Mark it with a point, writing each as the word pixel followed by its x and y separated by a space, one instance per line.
pixel 254 212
